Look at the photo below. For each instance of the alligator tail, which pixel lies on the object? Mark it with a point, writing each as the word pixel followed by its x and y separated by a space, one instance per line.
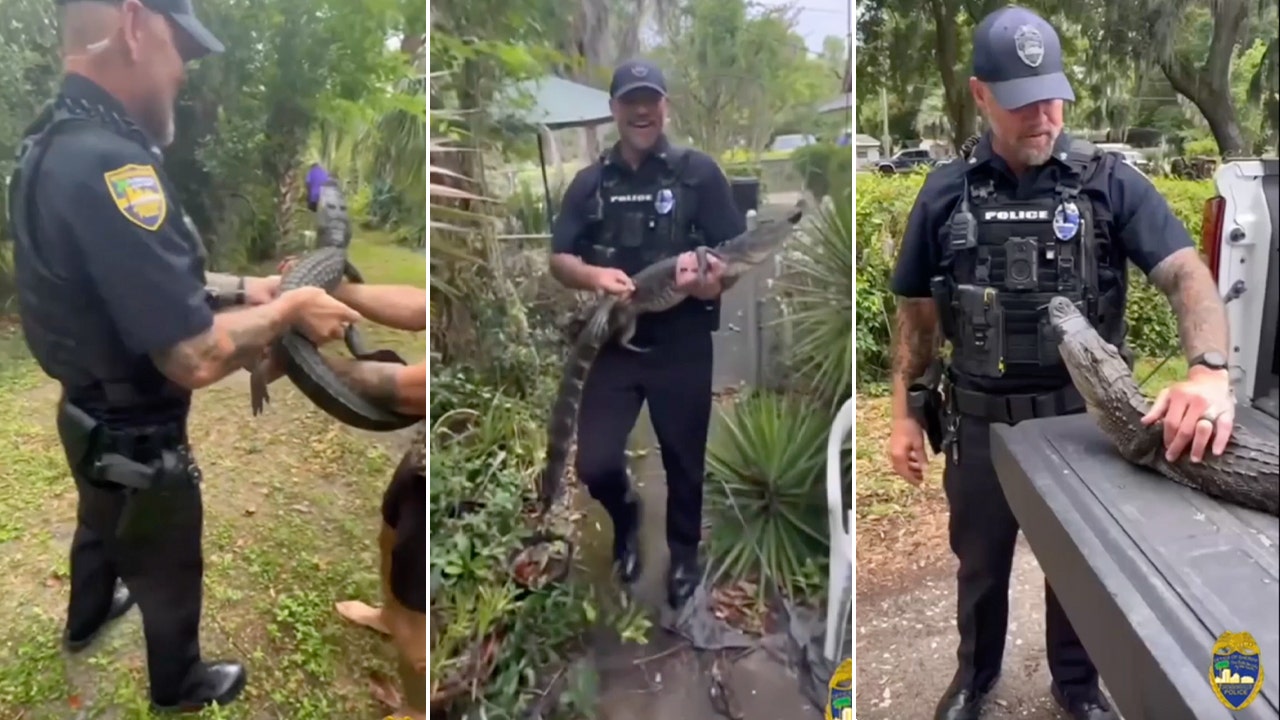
pixel 564 413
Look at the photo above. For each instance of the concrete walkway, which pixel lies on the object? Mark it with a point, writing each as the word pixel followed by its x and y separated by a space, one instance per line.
pixel 906 649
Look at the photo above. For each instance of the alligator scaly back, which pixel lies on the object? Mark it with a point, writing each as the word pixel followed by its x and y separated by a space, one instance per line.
pixel 1247 473
pixel 564 413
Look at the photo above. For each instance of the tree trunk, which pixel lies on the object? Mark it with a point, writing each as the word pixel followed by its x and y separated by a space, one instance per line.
pixel 955 91
pixel 1209 85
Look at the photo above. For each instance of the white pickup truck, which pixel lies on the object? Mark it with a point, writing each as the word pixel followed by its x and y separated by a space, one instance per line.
pixel 1150 572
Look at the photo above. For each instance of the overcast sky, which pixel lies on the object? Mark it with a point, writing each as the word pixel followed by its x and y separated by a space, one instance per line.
pixel 817 19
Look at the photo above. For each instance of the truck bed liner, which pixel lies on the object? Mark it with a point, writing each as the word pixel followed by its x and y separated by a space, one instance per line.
pixel 1150 572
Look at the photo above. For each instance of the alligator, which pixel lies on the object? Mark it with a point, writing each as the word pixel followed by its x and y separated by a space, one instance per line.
pixel 612 319
pixel 1247 473
pixel 325 267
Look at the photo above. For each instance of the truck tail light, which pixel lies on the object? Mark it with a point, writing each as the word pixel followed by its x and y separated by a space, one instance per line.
pixel 1211 233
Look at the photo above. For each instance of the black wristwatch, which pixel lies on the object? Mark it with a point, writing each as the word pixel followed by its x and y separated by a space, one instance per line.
pixel 241 296
pixel 1212 360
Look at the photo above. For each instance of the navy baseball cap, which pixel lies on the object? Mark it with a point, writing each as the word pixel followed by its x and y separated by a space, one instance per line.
pixel 636 74
pixel 183 15
pixel 1019 56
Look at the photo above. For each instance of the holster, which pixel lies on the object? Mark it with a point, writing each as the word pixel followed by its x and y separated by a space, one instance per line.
pixel 149 464
pixel 925 402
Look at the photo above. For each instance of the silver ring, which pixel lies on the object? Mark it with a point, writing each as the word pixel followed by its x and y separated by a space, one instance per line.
pixel 1211 416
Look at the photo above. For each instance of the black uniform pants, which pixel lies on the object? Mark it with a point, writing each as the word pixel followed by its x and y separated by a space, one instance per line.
pixel 983 534
pixel 675 380
pixel 162 565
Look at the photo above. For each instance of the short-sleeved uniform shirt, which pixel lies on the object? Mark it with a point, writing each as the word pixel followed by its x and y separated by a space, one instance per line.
pixel 716 215
pixel 1144 229
pixel 106 222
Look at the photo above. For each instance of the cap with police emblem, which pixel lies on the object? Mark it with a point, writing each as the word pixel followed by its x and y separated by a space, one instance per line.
pixel 634 75
pixel 182 15
pixel 1018 55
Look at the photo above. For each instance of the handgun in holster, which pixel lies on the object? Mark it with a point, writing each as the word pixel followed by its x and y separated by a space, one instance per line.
pixel 925 402
pixel 101 455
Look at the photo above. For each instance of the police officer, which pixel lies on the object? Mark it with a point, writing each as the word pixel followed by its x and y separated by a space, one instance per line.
pixel 114 305
pixel 642 201
pixel 1032 213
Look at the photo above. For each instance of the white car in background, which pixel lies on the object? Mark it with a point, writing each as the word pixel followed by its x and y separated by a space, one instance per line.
pixel 1129 154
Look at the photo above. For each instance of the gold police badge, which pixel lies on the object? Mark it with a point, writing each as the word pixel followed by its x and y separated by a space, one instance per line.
pixel 138 194
pixel 1235 673
pixel 840 692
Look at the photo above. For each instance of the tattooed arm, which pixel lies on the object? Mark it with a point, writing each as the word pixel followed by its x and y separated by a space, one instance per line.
pixel 234 340
pixel 1202 316
pixel 400 388
pixel 914 346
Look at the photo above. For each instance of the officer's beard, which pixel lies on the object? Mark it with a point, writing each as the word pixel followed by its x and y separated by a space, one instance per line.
pixel 160 122
pixel 1034 155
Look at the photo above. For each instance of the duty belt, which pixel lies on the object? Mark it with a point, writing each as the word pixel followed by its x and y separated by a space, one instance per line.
pixel 1012 409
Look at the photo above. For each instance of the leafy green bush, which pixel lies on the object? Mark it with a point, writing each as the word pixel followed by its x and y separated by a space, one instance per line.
pixel 766 500
pixel 816 288
pixel 882 206
pixel 824 168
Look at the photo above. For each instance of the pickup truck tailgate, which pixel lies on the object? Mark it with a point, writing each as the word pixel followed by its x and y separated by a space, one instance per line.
pixel 1150 572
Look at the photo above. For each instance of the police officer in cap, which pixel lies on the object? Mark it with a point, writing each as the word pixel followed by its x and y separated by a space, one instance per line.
pixel 116 306
pixel 1033 213
pixel 642 201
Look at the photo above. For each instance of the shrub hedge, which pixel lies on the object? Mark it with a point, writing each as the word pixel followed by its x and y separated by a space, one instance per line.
pixel 882 205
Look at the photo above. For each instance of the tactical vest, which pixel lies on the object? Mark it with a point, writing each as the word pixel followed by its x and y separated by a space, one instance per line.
pixel 638 221
pixel 1004 259
pixel 117 381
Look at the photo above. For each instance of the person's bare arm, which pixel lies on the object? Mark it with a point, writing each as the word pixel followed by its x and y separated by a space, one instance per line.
pixel 398 387
pixel 914 347
pixel 572 272
pixel 1202 316
pixel 233 341
pixel 402 307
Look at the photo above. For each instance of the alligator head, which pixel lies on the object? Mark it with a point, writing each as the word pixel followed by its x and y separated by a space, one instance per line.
pixel 1096 366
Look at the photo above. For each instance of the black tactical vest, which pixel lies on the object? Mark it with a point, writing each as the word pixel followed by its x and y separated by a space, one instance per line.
pixel 1004 259
pixel 640 220
pixel 112 381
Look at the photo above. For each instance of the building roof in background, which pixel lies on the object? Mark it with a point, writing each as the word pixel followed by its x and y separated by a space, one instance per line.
pixel 556 103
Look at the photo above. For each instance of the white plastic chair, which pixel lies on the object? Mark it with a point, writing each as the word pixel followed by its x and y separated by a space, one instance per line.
pixel 840 519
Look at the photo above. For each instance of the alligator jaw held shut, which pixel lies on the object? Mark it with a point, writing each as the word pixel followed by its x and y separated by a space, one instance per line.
pixel 325 267
pixel 1247 473
pixel 655 291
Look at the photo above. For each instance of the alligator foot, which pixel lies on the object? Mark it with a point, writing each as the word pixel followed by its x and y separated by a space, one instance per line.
pixel 384 356
pixel 258 395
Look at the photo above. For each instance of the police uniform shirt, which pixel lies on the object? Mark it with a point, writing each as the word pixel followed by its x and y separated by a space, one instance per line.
pixel 1144 227
pixel 716 216
pixel 107 217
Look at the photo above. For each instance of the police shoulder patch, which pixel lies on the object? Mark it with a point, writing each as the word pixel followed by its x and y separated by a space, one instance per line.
pixel 138 195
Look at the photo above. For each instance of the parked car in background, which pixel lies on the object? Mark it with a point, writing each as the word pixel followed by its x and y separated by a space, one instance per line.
pixel 906 160
pixel 1130 154
pixel 789 143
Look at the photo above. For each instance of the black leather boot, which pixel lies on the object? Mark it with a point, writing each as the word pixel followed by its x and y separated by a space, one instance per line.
pixel 683 576
pixel 626 543
pixel 121 601
pixel 1088 705
pixel 961 702
pixel 217 683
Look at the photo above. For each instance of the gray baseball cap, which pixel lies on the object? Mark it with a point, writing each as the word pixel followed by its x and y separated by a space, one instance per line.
pixel 1018 55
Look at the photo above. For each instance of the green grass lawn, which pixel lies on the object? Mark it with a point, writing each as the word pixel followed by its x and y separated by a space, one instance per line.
pixel 291 516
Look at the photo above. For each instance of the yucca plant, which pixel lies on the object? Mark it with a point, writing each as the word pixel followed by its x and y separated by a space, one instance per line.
pixel 765 491
pixel 817 287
